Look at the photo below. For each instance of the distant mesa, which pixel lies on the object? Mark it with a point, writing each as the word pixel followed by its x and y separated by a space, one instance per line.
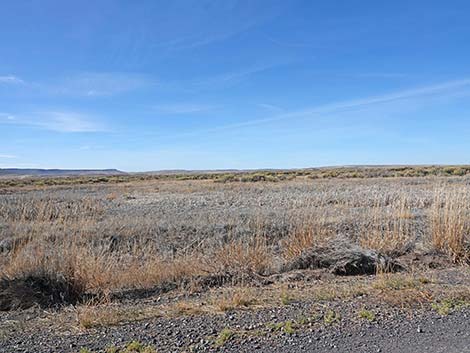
pixel 57 172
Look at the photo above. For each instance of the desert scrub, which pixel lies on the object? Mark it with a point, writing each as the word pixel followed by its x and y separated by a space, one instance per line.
pixel 196 234
pixel 388 226
pixel 450 222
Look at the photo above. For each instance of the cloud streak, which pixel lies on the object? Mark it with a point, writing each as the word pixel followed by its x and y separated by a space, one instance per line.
pixel 215 82
pixel 57 121
pixel 102 84
pixel 10 79
pixel 437 90
pixel 85 84
pixel 182 108
pixel 98 84
pixel 431 90
pixel 67 122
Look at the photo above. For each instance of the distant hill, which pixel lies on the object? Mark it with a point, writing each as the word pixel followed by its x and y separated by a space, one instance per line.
pixel 57 172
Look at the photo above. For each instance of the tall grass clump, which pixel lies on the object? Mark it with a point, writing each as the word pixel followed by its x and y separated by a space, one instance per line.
pixel 303 236
pixel 450 222
pixel 388 226
pixel 252 256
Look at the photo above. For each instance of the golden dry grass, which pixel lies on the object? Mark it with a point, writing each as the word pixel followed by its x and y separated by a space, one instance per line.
pixel 450 222
pixel 388 229
pixel 60 237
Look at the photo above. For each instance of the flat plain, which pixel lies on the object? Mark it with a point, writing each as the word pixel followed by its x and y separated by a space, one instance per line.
pixel 279 262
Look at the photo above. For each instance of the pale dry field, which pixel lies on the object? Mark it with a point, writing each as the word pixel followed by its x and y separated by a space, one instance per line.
pixel 109 238
pixel 199 265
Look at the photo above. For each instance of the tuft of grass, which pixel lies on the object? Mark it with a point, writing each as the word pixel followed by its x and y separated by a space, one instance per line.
pixel 134 346
pixel 224 336
pixel 305 235
pixel 331 317
pixel 367 315
pixel 286 299
pixel 138 347
pixel 286 327
pixel 240 298
pixel 245 258
pixel 388 229
pixel 187 308
pixel 131 347
pixel 90 316
pixel 449 305
pixel 450 223
pixel 394 281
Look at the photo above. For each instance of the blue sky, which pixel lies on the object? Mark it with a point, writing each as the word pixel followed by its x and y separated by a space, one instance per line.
pixel 199 84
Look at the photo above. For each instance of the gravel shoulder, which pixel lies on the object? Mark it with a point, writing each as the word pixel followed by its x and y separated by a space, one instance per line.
pixel 302 313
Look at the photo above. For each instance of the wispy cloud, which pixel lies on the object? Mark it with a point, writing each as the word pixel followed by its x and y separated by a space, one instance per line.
pixel 102 84
pixel 10 79
pixel 84 148
pixel 217 81
pixel 270 107
pixel 217 22
pixel 67 122
pixel 202 39
pixel 87 84
pixel 230 78
pixel 449 88
pixel 290 43
pixel 58 121
pixel 98 84
pixel 182 108
pixel 379 75
pixel 8 156
pixel 6 117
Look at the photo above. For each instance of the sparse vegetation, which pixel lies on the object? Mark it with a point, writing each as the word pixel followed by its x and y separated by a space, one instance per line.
pixel 239 298
pixel 288 327
pixel 388 281
pixel 448 305
pixel 366 314
pixel 331 317
pixel 244 176
pixel 224 336
pixel 131 347
pixel 450 222
pixel 286 298
pixel 161 234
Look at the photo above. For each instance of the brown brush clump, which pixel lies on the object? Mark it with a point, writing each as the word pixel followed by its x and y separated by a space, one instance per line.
pixel 238 257
pixel 38 288
pixel 388 227
pixel 103 273
pixel 304 237
pixel 450 222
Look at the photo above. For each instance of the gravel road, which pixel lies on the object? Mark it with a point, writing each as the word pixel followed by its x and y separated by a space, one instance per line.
pixel 397 331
